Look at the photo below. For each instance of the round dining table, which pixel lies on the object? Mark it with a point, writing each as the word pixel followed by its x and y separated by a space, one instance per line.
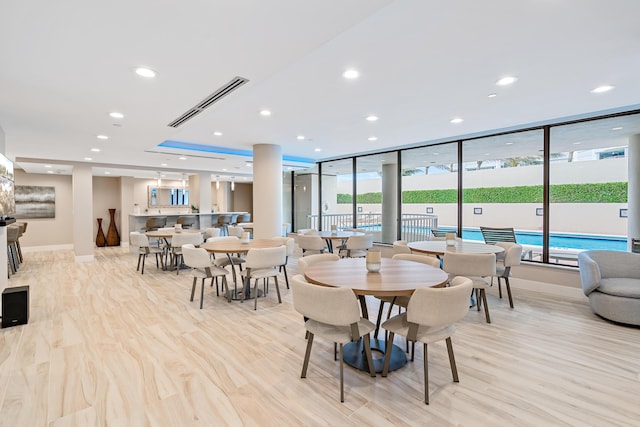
pixel 330 235
pixel 439 247
pixel 395 278
pixel 167 234
pixel 236 246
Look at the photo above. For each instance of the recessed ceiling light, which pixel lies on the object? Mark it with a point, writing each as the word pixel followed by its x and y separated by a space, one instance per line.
pixel 116 115
pixel 602 89
pixel 351 74
pixel 107 173
pixel 505 81
pixel 145 72
pixel 224 170
pixel 163 164
pixel 49 171
pixel 102 137
pixel 88 159
pixel 372 118
pixel 492 95
pixel 617 128
pixel 300 137
pixel 265 112
pixel 289 168
pixel 487 154
pixel 577 143
pixel 457 120
pixel 217 133
pixel 318 150
pixel 436 154
pixel 47 166
pixel 508 143
pixel 248 164
pixel 182 158
pixel 95 150
pixel 373 138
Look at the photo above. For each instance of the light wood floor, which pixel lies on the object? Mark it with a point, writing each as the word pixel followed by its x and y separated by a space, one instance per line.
pixel 106 346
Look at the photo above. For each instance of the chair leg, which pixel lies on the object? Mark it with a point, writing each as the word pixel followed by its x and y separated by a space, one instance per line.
pixel 366 341
pixel 144 259
pixel 278 289
pixel 157 264
pixel 379 320
pixel 335 351
pixel 452 361
pixel 478 300
pixel 499 287
pixel 387 355
pixel 506 281
pixel 483 293
pixel 307 354
pixel 255 295
pixel 341 376
pixel 193 288
pixel 286 277
pixel 139 258
pixel 426 374
pixel 202 293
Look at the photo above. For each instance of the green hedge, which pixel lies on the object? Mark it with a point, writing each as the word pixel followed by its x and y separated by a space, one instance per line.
pixel 608 192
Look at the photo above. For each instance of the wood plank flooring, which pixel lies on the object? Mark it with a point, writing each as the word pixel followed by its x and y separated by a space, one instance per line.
pixel 106 346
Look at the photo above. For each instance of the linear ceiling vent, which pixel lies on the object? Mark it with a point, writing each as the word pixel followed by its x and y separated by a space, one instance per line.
pixel 216 96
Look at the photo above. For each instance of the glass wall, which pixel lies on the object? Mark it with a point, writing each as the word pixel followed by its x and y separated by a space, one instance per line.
pixel 377 197
pixel 305 198
pixel 502 179
pixel 429 191
pixel 337 196
pixel 588 187
pixel 505 179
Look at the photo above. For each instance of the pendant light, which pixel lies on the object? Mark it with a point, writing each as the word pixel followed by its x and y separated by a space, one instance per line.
pixel 217 182
pixel 233 183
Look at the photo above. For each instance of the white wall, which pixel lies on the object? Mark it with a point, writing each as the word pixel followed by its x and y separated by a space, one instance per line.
pixel 106 195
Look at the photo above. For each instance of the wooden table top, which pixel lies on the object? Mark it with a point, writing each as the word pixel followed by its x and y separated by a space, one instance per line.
pixel 439 247
pixel 395 278
pixel 334 235
pixel 169 233
pixel 237 247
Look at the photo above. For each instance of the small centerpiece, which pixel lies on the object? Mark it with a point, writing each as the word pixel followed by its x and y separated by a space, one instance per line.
pixel 450 238
pixel 177 228
pixel 244 237
pixel 334 229
pixel 374 260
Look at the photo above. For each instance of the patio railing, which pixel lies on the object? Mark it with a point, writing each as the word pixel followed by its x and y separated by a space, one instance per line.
pixel 414 226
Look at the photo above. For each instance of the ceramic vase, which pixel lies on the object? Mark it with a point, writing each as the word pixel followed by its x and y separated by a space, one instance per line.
pixel 113 238
pixel 100 239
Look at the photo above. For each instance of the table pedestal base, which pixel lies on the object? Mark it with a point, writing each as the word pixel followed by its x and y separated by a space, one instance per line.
pixel 354 355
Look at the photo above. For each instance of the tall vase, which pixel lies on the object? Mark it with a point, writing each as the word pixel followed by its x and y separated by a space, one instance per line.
pixel 113 238
pixel 100 239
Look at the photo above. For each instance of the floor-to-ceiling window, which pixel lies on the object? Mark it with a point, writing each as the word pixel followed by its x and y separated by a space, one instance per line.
pixel 337 195
pixel 429 191
pixel 502 183
pixel 305 198
pixel 588 187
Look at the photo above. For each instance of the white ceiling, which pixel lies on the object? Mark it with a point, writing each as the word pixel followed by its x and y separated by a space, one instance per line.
pixel 65 65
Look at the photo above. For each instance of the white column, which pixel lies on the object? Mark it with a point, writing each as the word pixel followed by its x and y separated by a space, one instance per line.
pixel 82 183
pixel 633 189
pixel 126 207
pixel 204 200
pixel 267 190
pixel 389 201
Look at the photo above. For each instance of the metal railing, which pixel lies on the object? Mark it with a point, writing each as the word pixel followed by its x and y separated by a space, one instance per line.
pixel 414 226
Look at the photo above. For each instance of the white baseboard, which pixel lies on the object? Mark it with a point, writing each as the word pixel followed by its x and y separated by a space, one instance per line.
pixel 28 249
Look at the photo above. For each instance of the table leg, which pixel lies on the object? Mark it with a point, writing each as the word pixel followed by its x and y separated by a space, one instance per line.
pixel 353 355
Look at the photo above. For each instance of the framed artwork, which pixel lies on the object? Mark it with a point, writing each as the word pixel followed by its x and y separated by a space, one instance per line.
pixel 35 201
pixel 429 210
pixel 477 211
pixel 624 213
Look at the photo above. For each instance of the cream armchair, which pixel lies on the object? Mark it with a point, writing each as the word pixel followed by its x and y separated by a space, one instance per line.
pixel 611 280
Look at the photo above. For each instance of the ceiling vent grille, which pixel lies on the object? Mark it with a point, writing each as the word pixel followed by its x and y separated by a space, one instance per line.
pixel 216 96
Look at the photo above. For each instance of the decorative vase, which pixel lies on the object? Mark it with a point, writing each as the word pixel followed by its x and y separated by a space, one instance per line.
pixel 100 239
pixel 373 261
pixel 113 238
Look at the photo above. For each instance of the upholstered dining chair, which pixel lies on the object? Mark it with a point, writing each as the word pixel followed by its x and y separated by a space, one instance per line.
pixel 263 263
pixel 400 247
pixel 357 246
pixel 177 241
pixel 332 314
pixel 310 244
pixel 512 257
pixel 290 244
pixel 211 232
pixel 141 242
pixel 306 261
pixel 155 222
pixel 402 301
pixel 202 268
pixel 229 259
pixel 476 267
pixel 430 317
